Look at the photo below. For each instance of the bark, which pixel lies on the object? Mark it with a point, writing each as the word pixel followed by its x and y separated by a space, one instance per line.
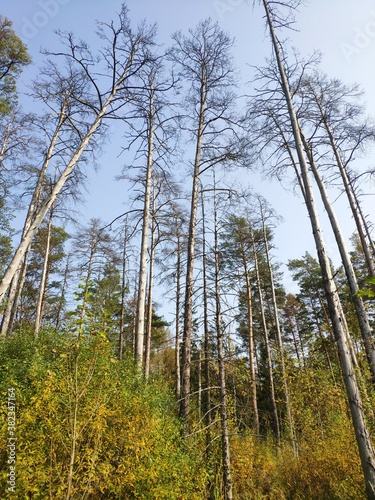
pixel 189 287
pixel 339 325
pixel 123 294
pixel 177 314
pixel 267 345
pixel 65 175
pixel 249 303
pixel 142 288
pixel 44 278
pixel 359 306
pixel 278 335
pixel 206 333
pixel 227 476
pixel 150 293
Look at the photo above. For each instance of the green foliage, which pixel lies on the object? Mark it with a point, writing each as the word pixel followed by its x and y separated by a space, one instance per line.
pixel 13 56
pixel 75 395
pixel 326 464
pixel 368 291
pixel 53 301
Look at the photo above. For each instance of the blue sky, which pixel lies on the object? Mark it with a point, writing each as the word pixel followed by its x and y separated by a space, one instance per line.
pixel 344 30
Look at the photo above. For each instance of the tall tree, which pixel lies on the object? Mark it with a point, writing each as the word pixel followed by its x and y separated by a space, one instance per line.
pixel 151 129
pixel 227 475
pixel 237 251
pixel 204 63
pixel 339 325
pixel 81 104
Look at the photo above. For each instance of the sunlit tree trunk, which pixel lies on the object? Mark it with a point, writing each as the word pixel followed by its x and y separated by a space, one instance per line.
pixel 150 292
pixel 249 305
pixel 361 313
pixel 123 292
pixel 44 277
pixel 178 319
pixel 266 343
pixel 339 325
pixel 227 476
pixel 189 287
pixel 278 332
pixel 142 285
pixel 206 337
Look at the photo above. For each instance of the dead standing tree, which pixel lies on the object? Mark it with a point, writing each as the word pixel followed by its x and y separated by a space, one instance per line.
pixel 204 62
pixel 275 20
pixel 91 89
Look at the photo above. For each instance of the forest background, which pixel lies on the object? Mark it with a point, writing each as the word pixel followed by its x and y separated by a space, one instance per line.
pixel 266 404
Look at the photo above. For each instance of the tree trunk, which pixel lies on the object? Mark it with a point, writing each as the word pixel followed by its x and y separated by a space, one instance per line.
pixel 365 447
pixel 227 476
pixel 249 303
pixel 177 314
pixel 150 293
pixel 359 306
pixel 189 288
pixel 266 344
pixel 123 292
pixel 278 335
pixel 206 332
pixel 44 278
pixel 142 288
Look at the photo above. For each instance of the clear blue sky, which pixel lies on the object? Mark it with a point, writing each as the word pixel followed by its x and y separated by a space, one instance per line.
pixel 344 30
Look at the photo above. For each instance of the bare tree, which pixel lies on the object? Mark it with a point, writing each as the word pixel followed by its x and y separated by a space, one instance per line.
pixel 204 62
pixel 81 105
pixel 339 325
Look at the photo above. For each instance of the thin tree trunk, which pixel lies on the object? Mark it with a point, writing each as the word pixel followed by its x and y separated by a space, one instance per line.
pixel 20 281
pixel 44 277
pixel 278 335
pixel 142 287
pixel 123 293
pixel 189 288
pixel 227 476
pixel 207 354
pixel 361 313
pixel 266 344
pixel 249 301
pixel 150 293
pixel 177 314
pixel 339 325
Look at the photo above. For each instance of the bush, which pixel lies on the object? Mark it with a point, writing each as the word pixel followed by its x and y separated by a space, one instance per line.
pixel 88 420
